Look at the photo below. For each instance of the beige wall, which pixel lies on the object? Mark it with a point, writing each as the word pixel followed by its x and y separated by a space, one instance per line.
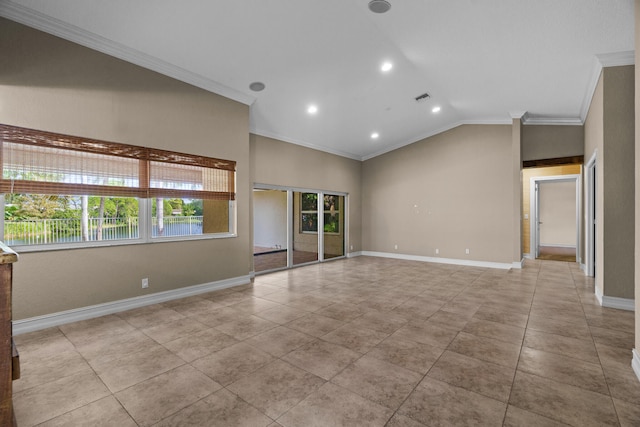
pixel 270 218
pixel 558 213
pixel 550 142
pixel 619 188
pixel 452 191
pixel 50 84
pixel 610 130
pixel 279 163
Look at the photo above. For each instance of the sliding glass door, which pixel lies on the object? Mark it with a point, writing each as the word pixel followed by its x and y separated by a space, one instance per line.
pixel 333 227
pixel 294 227
pixel 305 227
pixel 270 242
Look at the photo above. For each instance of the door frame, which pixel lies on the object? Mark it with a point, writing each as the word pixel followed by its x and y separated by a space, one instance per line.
pixel 290 231
pixel 534 241
pixel 590 215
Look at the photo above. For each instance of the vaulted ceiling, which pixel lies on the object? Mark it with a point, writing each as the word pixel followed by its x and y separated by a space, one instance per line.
pixel 480 61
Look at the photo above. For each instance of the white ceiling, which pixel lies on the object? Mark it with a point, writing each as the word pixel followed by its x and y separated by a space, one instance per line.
pixel 482 61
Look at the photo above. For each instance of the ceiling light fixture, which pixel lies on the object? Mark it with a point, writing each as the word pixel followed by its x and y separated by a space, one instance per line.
pixel 257 86
pixel 312 109
pixel 375 135
pixel 379 6
pixel 387 66
pixel 435 109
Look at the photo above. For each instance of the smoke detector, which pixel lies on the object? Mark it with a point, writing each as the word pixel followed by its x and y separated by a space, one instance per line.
pixel 379 6
pixel 257 86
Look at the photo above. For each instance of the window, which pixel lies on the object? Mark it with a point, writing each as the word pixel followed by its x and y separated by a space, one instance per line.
pixel 309 213
pixel 60 189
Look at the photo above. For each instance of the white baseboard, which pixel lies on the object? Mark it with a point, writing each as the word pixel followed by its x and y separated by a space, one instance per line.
pixel 599 296
pixel 635 362
pixel 354 254
pixel 517 264
pixel 465 262
pixel 583 267
pixel 55 319
pixel 527 256
pixel 615 302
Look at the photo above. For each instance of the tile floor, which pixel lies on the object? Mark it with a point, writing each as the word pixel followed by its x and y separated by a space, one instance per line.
pixel 357 342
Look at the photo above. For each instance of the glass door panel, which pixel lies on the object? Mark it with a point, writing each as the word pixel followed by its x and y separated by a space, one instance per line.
pixel 269 230
pixel 333 226
pixel 305 227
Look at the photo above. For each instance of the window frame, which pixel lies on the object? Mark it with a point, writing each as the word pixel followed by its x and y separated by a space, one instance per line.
pixel 317 213
pixel 145 191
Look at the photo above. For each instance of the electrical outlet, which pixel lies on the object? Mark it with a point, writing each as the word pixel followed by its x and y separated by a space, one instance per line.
pixel 395 247
pixel 466 251
pixel 437 251
pixel 351 247
pixel 145 283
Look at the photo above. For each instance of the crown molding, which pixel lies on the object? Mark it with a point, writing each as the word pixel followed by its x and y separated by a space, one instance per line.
pixel 617 59
pixel 515 115
pixel 601 61
pixel 42 22
pixel 554 121
pixel 283 138
pixel 436 132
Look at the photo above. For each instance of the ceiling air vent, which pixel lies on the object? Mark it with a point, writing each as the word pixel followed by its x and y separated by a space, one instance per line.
pixel 379 6
pixel 423 97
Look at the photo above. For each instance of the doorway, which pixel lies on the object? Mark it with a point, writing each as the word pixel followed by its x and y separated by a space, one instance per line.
pixel 555 222
pixel 294 227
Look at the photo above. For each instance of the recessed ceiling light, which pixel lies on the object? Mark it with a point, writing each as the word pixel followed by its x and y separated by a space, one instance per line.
pixel 257 86
pixel 374 135
pixel 312 109
pixel 387 66
pixel 435 109
pixel 379 6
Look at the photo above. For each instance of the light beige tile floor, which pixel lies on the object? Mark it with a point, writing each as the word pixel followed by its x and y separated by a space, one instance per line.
pixel 358 342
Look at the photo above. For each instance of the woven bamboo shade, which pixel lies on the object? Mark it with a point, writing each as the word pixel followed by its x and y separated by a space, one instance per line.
pixel 38 162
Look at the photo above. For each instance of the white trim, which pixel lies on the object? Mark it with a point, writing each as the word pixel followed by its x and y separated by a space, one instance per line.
pixel 583 267
pixel 619 303
pixel 515 115
pixel 599 296
pixel 260 186
pixel 604 60
pixel 518 264
pixel 635 362
pixel 527 256
pixel 617 59
pixel 465 262
pixel 591 89
pixel 276 136
pixel 39 21
pixel 354 254
pixel 553 121
pixel 590 213
pixel 615 302
pixel 55 319
pixel 533 202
